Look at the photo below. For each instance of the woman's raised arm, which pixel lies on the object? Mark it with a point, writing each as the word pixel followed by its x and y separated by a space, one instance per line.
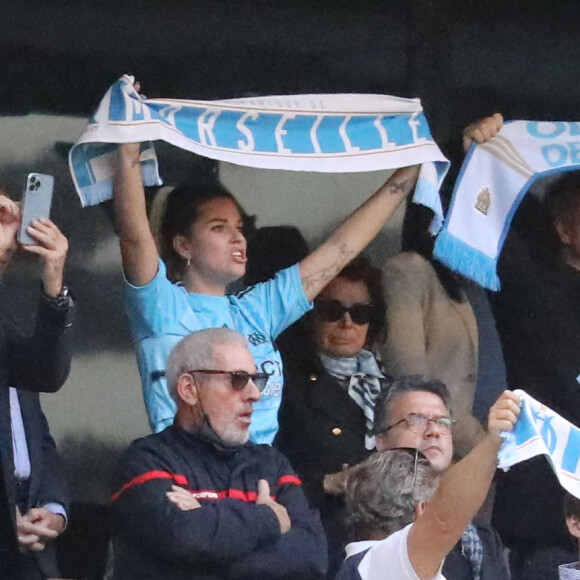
pixel 138 249
pixel 354 234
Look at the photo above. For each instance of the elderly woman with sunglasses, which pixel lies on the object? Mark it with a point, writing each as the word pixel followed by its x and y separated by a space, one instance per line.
pixel 326 417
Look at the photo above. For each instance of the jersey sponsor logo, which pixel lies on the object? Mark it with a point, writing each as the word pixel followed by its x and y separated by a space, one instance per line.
pixel 272 389
pixel 273 369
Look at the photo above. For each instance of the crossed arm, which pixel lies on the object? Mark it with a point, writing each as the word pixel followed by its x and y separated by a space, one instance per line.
pixel 246 539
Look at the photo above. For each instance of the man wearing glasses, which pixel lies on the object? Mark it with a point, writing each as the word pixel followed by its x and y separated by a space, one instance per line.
pixel 415 413
pixel 198 500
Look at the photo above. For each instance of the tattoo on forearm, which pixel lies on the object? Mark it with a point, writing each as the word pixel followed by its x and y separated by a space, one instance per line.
pixel 399 186
pixel 324 276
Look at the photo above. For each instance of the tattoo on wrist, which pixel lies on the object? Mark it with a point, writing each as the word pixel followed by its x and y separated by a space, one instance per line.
pixel 324 276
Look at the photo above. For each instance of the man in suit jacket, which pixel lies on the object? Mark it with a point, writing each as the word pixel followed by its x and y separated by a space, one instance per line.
pixel 415 414
pixel 32 493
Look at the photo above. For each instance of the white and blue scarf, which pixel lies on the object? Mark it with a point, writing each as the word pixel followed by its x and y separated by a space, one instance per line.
pixel 569 571
pixel 364 381
pixel 541 431
pixel 472 549
pixel 493 180
pixel 320 133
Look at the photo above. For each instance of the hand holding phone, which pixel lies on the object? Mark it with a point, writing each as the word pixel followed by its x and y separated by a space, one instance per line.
pixel 51 245
pixel 36 203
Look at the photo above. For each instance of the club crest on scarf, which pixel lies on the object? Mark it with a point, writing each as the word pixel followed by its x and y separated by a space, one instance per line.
pixel 483 201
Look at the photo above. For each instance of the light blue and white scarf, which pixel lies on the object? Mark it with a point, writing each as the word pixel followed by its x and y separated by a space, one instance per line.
pixel 321 133
pixel 364 381
pixel 493 180
pixel 569 571
pixel 541 431
pixel 472 549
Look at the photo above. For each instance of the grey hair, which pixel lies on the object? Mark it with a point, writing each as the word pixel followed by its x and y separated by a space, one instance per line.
pixel 196 351
pixel 402 386
pixel 383 491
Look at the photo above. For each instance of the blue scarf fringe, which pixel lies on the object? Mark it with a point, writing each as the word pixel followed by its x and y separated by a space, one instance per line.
pixel 466 260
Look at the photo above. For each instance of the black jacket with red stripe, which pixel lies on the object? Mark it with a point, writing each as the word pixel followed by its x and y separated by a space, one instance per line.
pixel 230 536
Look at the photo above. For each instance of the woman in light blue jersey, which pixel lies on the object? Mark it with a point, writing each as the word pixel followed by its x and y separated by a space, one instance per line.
pixel 205 250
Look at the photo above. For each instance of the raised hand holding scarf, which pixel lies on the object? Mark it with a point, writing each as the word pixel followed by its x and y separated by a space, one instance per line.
pixel 493 180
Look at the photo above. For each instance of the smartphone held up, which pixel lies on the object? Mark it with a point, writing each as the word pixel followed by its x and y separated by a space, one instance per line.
pixel 36 203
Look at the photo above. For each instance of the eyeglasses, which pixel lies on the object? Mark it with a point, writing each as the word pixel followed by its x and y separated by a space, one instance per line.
pixel 417 423
pixel 332 310
pixel 415 470
pixel 416 454
pixel 239 379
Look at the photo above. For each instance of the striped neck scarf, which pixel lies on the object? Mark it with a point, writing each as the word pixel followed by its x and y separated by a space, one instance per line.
pixel 569 571
pixel 472 549
pixel 364 381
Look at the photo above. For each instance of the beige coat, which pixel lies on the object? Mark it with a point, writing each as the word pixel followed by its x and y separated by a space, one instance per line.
pixel 430 334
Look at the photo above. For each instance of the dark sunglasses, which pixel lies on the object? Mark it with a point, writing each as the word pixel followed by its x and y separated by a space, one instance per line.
pixel 333 310
pixel 239 379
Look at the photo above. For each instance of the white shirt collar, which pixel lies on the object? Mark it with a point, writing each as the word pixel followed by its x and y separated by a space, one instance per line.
pixel 358 547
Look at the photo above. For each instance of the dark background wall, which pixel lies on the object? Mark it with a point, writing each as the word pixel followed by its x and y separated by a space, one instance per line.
pixel 461 57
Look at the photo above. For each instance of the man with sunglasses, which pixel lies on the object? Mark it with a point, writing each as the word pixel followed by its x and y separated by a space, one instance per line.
pixel 415 413
pixel 198 500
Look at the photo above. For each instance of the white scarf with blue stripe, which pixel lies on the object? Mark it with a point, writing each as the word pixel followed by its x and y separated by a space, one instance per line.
pixel 321 133
pixel 493 180
pixel 541 431
pixel 364 380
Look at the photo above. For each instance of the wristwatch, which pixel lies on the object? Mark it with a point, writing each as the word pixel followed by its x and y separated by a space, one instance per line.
pixel 62 300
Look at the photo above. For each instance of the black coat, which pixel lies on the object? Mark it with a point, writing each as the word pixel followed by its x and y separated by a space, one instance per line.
pixel 230 536
pixel 39 362
pixel 493 566
pixel 321 430
pixel 321 427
